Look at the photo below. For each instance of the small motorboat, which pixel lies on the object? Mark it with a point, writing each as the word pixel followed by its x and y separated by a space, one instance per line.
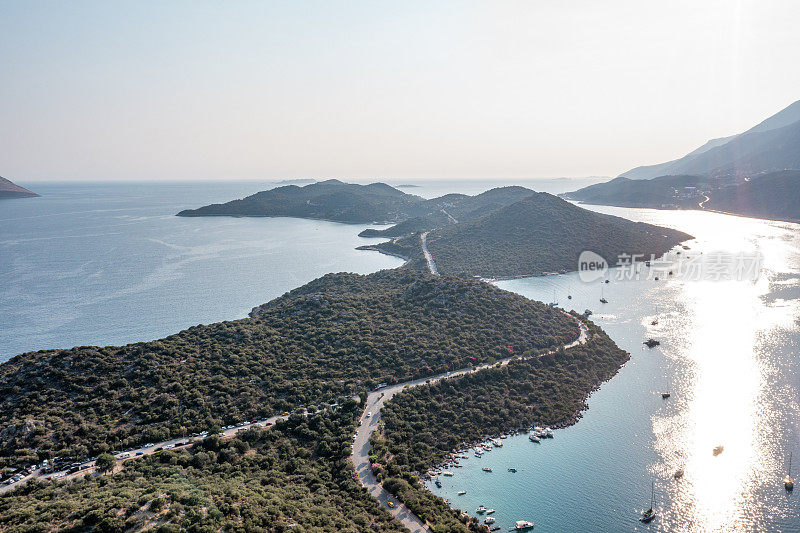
pixel 678 473
pixel 486 469
pixel 718 450
pixel 533 437
pixel 489 511
pixel 654 322
pixel 522 525
pixel 788 482
pixel 489 520
pixel 587 312
pixel 438 483
pixel 462 492
pixel 495 528
pixel 448 474
pixel 548 433
pixel 651 342
pixel 512 470
pixel 665 395
pixel 603 301
pixel 481 509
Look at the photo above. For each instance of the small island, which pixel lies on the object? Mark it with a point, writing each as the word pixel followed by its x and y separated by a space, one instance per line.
pixel 12 190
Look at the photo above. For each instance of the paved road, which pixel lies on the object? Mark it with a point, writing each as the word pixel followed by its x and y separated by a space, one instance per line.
pixel 428 257
pixel 375 402
pixel 136 453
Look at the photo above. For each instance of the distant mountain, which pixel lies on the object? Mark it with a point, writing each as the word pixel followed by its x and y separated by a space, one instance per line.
pixel 12 190
pixel 327 200
pixel 771 145
pixel 773 196
pixel 663 192
pixel 541 233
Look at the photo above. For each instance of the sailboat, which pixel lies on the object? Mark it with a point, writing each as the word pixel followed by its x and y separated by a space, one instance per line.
pixel 602 296
pixel 649 514
pixel 554 303
pixel 788 482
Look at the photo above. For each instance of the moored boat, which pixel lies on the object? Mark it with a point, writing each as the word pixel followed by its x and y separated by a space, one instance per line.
pixel 533 437
pixel 447 473
pixel 489 520
pixel 462 492
pixel 489 511
pixel 486 469
pixel 788 482
pixel 481 509
pixel 522 525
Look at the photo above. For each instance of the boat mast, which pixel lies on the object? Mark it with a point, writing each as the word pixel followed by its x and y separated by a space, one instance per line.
pixel 653 495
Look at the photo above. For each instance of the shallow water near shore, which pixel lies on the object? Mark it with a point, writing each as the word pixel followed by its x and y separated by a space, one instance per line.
pixel 728 356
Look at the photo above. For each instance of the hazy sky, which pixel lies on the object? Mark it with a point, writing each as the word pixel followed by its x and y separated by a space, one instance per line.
pixel 181 90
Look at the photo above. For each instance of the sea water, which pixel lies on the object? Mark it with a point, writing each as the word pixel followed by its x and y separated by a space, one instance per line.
pixel 730 359
pixel 106 264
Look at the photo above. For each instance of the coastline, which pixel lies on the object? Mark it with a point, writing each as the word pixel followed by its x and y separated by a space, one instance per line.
pixel 234 215
pixel 717 211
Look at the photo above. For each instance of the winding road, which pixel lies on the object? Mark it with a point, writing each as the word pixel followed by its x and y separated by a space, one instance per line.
pixel 372 415
pixel 88 466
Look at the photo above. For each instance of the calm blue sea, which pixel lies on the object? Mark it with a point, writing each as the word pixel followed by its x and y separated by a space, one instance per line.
pixel 97 264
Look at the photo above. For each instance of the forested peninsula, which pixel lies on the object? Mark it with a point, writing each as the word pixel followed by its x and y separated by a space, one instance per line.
pixel 334 337
pixel 503 232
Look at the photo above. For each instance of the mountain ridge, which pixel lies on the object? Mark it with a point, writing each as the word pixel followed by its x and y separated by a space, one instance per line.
pixel 772 148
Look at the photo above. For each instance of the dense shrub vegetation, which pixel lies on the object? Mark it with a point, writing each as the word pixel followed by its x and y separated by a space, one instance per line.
pixel 541 233
pixel 294 476
pixel 332 337
pixel 422 425
pixel 328 200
